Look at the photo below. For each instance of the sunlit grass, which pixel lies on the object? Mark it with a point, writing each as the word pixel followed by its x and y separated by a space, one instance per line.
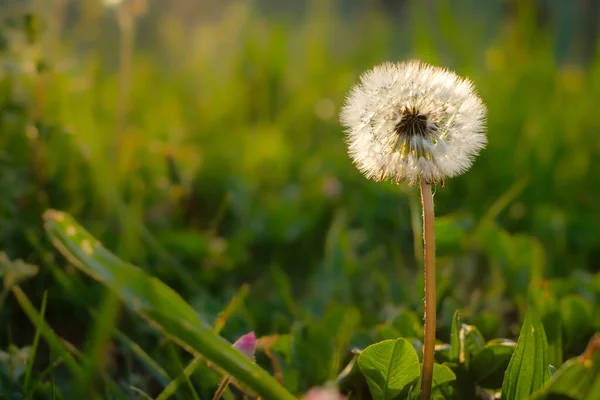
pixel 232 169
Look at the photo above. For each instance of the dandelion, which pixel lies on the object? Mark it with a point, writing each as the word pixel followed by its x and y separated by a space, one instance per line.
pixel 412 121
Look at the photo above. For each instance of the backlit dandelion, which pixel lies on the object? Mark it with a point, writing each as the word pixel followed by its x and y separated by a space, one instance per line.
pixel 411 120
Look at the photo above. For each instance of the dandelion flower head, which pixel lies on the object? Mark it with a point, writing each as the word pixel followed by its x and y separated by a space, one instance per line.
pixel 411 120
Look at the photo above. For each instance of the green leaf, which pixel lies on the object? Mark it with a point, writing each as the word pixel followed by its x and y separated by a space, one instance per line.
pixel 488 323
pixel 36 341
pixel 471 343
pixel 577 316
pixel 318 346
pixel 46 331
pixel 387 332
pixel 548 310
pixel 389 367
pixel 455 338
pixel 528 367
pixel 408 324
pixel 465 340
pixel 156 302
pixel 444 380
pixel 579 377
pixel 451 233
pixel 489 364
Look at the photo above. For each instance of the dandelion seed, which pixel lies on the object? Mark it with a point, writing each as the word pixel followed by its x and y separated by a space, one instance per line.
pixel 411 120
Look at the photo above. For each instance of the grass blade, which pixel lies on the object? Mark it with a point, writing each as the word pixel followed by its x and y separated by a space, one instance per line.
pixel 157 302
pixel 53 341
pixel 151 365
pixel 171 388
pixel 36 340
pixel 105 323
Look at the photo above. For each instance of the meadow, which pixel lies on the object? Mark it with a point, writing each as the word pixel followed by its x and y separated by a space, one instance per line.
pixel 202 143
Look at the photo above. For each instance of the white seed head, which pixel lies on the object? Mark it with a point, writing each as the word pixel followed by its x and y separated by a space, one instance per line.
pixel 411 120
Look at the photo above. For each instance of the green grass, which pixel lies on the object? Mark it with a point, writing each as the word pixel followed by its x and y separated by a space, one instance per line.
pixel 230 169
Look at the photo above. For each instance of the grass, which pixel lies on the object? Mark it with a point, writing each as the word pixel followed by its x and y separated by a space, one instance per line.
pixel 231 175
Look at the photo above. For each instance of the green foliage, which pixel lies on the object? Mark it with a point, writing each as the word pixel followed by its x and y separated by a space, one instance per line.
pixel 210 154
pixel 156 302
pixel 390 368
pixel 490 363
pixel 577 378
pixel 528 368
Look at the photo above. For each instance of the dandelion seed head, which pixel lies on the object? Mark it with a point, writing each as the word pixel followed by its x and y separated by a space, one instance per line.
pixel 411 120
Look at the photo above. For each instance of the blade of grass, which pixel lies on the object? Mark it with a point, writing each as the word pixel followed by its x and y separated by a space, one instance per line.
pixel 57 345
pixel 503 201
pixel 48 370
pixel 52 384
pixel 101 333
pixel 152 366
pixel 110 384
pixel 172 387
pixel 53 341
pixel 237 300
pixel 233 305
pixel 36 340
pixel 161 252
pixel 157 302
pixel 154 369
pixel 184 373
pixel 46 257
pixel 140 392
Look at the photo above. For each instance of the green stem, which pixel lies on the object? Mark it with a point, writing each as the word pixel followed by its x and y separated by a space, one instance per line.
pixel 430 302
pixel 126 46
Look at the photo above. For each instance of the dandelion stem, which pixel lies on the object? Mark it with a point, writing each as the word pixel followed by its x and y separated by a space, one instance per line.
pixel 430 302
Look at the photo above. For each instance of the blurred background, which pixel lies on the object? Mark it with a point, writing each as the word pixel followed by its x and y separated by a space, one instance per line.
pixel 200 140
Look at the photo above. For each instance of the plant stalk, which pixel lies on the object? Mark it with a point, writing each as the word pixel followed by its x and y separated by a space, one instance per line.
pixel 127 31
pixel 430 294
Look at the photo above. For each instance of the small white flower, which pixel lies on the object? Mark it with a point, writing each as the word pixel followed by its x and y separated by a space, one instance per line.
pixel 411 120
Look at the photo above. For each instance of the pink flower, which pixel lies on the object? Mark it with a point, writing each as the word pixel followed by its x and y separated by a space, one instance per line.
pixel 246 344
pixel 321 393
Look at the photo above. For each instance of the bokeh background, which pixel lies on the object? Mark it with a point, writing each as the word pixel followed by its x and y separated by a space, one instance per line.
pixel 200 140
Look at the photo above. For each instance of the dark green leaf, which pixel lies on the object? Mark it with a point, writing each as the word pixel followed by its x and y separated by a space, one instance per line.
pixel 577 316
pixel 489 364
pixel 488 323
